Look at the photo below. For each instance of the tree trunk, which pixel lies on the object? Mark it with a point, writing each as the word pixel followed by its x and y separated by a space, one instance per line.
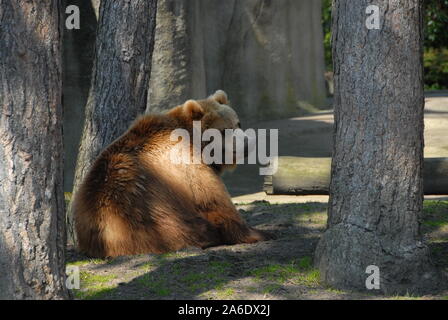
pixel 376 192
pixel 177 72
pixel 78 54
pixel 120 79
pixel 32 215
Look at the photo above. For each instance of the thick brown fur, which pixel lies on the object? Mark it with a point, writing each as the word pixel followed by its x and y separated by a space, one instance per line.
pixel 134 200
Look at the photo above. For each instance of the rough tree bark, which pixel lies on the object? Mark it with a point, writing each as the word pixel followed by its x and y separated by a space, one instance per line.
pixel 120 79
pixel 376 192
pixel 32 215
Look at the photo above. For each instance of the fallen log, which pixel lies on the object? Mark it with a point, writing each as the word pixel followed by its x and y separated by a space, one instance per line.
pixel 311 176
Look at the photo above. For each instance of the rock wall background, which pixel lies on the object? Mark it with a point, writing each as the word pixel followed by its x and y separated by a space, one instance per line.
pixel 267 55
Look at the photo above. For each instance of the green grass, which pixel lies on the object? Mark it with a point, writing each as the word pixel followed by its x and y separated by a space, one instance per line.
pixel 310 278
pixel 298 272
pixel 434 206
pixel 224 294
pixel 156 285
pixel 436 223
pixel 435 214
pixel 405 297
pixel 94 286
pixel 271 288
pixel 219 266
pixel 305 263
pixel 213 277
pixel 159 282
pixel 85 262
pixel 334 291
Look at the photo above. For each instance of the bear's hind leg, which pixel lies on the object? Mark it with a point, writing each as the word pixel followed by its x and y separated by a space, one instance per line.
pixel 203 234
pixel 233 229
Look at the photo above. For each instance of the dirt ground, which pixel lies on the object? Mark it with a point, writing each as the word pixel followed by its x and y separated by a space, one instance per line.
pixel 277 269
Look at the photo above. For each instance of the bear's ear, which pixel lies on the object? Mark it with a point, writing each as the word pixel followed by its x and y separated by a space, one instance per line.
pixel 193 110
pixel 220 97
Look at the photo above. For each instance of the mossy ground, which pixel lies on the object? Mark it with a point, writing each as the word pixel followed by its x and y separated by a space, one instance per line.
pixel 279 269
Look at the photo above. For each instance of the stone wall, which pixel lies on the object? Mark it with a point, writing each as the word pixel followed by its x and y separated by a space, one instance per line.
pixel 268 55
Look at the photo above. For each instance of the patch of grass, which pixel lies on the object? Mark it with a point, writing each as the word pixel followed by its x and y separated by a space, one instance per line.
pixel 97 294
pixel 310 278
pixel 148 266
pixel 224 294
pixel 305 263
pixel 406 297
pixel 317 217
pixel 219 266
pixel 81 263
pixel 90 279
pixel 300 272
pixel 434 206
pixel 94 286
pixel 175 255
pixel 252 289
pixel 170 256
pixel 158 286
pixel 176 269
pixel 334 291
pixel 194 277
pixel 436 223
pixel 211 278
pixel 271 288
pixel 100 261
pixel 435 214
pixel 273 272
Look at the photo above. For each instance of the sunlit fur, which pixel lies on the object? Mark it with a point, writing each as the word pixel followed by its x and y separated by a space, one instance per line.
pixel 134 200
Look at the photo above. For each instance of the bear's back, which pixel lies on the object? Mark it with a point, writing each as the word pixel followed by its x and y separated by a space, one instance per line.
pixel 129 187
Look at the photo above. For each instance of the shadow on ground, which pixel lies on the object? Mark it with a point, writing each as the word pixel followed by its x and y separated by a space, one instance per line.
pixel 278 269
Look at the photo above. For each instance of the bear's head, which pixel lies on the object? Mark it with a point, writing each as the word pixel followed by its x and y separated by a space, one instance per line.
pixel 216 114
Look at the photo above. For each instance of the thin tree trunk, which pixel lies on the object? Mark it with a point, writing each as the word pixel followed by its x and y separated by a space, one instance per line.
pixel 120 80
pixel 32 215
pixel 376 192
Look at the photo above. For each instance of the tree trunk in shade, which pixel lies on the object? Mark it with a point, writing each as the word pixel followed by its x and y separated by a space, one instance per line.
pixel 32 215
pixel 120 79
pixel 79 45
pixel 376 191
pixel 267 55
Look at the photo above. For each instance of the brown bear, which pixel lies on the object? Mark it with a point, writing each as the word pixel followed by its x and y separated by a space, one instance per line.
pixel 135 200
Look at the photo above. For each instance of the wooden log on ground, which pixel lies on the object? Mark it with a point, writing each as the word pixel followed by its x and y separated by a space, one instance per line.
pixel 311 176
